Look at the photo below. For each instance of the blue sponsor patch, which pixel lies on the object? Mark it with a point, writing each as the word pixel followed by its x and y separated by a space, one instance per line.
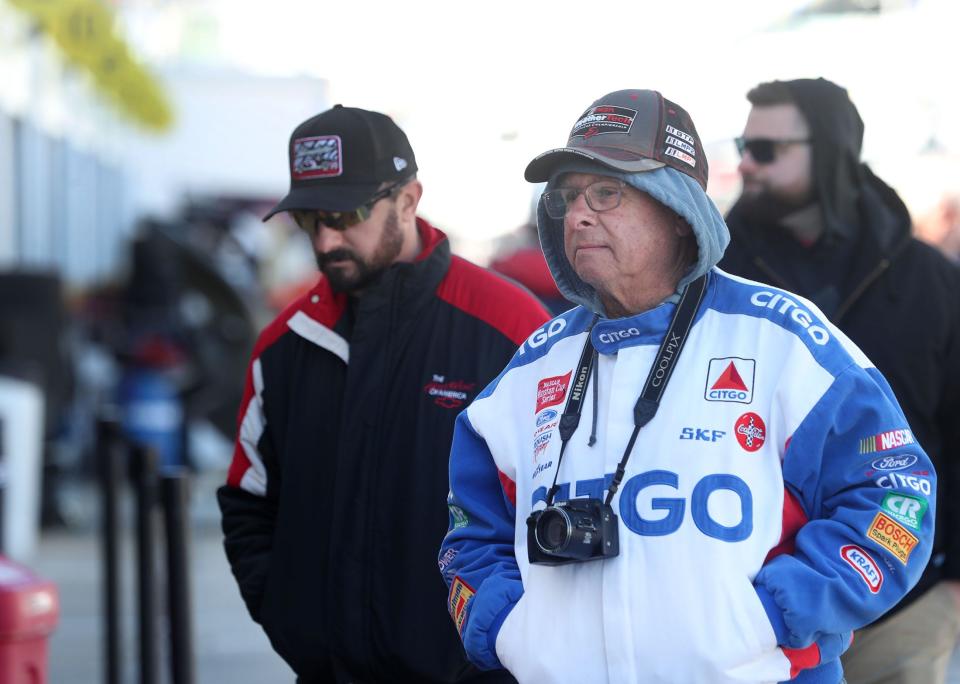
pixel 546 417
pixel 888 463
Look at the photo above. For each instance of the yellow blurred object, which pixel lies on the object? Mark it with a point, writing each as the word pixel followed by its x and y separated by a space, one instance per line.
pixel 84 31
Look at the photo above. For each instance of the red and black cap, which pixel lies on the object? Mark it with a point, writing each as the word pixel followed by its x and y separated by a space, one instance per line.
pixel 629 131
pixel 341 157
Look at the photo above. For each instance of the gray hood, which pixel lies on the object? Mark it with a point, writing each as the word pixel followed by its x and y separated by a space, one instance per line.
pixel 676 190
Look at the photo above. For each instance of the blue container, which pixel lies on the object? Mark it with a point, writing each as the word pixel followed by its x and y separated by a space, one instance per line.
pixel 153 413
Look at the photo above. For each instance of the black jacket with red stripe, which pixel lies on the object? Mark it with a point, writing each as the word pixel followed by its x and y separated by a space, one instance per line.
pixel 335 503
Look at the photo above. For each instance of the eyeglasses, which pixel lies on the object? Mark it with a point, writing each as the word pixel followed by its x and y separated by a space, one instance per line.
pixel 764 150
pixel 310 221
pixel 603 195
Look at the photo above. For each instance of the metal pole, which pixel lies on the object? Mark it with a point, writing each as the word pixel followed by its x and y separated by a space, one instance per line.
pixel 110 471
pixel 175 492
pixel 145 461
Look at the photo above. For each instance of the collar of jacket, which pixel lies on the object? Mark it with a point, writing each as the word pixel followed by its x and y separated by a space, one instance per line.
pixel 409 285
pixel 315 315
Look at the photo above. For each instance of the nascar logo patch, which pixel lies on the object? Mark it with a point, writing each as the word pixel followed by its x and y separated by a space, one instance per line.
pixel 460 595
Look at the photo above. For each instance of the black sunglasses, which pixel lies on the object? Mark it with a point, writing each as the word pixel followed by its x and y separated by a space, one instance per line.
pixel 341 220
pixel 764 150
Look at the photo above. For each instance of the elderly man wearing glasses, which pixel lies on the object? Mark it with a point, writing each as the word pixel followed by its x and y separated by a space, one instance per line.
pixel 335 500
pixel 679 480
pixel 814 219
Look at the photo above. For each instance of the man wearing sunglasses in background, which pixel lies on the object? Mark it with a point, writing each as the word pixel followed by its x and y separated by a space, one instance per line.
pixel 335 501
pixel 815 220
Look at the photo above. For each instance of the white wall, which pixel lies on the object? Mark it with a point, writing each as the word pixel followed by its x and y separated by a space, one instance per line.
pixel 230 137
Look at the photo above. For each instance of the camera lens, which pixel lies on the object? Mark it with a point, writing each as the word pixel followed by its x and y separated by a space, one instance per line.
pixel 553 530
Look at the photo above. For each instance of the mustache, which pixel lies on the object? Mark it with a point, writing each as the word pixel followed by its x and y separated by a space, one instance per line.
pixel 341 254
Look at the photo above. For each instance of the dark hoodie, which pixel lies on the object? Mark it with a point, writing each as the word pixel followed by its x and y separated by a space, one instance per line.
pixel 897 298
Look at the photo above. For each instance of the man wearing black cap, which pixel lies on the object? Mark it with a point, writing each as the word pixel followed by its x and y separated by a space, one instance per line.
pixel 813 218
pixel 673 481
pixel 335 501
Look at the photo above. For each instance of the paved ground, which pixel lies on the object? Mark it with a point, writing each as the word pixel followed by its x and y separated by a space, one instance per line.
pixel 229 646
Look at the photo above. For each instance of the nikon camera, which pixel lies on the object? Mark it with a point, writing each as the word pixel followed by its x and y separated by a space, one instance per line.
pixel 572 531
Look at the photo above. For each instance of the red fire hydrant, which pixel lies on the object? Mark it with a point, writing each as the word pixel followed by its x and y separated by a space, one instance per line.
pixel 29 607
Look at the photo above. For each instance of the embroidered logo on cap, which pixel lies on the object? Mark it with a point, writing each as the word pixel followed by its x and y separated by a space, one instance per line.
pixel 317 157
pixel 604 119
pixel 399 163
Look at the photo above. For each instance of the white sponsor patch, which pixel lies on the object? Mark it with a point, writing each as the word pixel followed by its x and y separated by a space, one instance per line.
pixel 682 156
pixel 680 134
pixel 679 143
pixel 864 565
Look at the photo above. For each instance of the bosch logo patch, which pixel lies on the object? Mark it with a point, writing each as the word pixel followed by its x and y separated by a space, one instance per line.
pixel 891 536
pixel 730 379
pixel 864 565
pixel 751 431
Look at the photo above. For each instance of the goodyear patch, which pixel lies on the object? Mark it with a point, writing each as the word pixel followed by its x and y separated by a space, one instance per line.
pixel 888 533
pixel 460 595
pixel 906 509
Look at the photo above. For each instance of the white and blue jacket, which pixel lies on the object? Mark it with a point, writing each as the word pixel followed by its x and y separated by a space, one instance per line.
pixel 776 502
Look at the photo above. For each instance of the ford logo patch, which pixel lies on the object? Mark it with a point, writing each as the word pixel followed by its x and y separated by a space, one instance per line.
pixel 546 417
pixel 894 462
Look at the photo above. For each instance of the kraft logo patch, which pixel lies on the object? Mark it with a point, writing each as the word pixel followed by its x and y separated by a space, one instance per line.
pixel 730 379
pixel 885 441
pixel 317 157
pixel 891 536
pixel 460 595
pixel 552 391
pixel 751 431
pixel 863 565
pixel 906 509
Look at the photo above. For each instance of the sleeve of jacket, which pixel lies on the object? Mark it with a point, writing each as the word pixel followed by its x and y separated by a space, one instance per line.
pixel 867 533
pixel 247 504
pixel 947 418
pixel 477 555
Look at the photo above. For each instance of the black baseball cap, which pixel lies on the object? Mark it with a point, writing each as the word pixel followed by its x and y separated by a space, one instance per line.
pixel 629 131
pixel 341 157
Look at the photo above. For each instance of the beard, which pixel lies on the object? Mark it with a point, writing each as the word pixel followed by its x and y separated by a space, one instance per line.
pixel 353 273
pixel 766 206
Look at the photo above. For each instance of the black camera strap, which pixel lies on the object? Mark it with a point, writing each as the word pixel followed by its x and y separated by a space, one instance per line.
pixel 649 401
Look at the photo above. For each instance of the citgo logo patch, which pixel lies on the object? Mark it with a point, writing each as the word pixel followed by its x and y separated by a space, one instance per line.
pixel 864 565
pixel 891 536
pixel 730 379
pixel 460 595
pixel 751 431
